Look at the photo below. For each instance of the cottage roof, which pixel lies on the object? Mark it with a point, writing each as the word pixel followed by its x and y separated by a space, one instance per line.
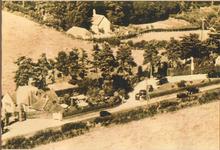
pixel 61 86
pixel 97 19
pixel 77 31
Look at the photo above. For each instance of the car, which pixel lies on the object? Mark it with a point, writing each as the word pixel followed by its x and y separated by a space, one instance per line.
pixel 192 90
pixel 137 96
pixel 143 92
pixel 162 81
pixel 104 113
pixel 182 95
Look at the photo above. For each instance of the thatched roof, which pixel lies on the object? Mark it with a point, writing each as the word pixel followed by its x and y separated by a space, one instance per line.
pixel 79 32
pixel 61 86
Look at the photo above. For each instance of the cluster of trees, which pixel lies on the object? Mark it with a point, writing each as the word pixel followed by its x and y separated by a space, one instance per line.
pixel 114 73
pixel 65 14
pixel 188 46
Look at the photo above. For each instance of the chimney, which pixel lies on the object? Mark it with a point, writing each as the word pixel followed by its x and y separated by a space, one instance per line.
pixel 94 12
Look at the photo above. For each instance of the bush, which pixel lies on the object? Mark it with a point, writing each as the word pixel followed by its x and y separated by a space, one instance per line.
pixel 73 126
pixel 19 142
pixel 166 104
pixel 181 84
pixel 214 74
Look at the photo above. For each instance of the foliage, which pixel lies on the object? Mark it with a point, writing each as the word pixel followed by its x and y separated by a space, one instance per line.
pixel 182 83
pixel 125 61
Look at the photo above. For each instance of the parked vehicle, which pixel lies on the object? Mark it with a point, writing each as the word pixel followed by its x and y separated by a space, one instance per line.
pixel 104 113
pixel 143 92
pixel 150 88
pixel 192 90
pixel 162 81
pixel 182 95
pixel 137 96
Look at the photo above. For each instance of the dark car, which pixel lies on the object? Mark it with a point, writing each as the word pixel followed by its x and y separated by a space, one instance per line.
pixel 104 113
pixel 142 92
pixel 162 81
pixel 192 90
pixel 182 95
pixel 137 96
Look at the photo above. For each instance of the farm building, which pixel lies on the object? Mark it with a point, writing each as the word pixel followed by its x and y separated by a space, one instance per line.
pixel 47 100
pixel 79 33
pixel 27 95
pixel 100 24
pixel 62 88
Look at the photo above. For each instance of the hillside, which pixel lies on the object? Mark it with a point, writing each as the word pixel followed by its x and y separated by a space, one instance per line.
pixel 22 37
pixel 185 129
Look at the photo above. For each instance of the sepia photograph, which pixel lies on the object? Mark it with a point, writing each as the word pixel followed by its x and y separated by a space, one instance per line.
pixel 110 75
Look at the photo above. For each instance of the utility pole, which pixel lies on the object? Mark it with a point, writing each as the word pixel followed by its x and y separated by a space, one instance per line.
pixel 203 26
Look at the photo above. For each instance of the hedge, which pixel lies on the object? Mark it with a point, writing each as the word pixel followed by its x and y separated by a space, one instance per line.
pixel 116 40
pixel 199 85
pixel 92 108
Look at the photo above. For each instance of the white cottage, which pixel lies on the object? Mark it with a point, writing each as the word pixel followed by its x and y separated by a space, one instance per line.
pixel 217 61
pixel 100 24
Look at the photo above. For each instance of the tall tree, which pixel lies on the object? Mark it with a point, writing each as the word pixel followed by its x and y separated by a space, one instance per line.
pixel 151 56
pixel 79 14
pixel 173 51
pixel 24 72
pixel 62 63
pixel 125 61
pixel 191 46
pixel 74 66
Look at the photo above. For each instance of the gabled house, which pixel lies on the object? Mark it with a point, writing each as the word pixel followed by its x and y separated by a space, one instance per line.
pixel 100 24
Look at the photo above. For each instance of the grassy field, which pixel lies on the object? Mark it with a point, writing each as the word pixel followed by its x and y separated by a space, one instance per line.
pixel 184 129
pixel 22 37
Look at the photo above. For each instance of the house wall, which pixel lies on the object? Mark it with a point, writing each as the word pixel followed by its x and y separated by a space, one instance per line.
pixel 7 104
pixel 105 25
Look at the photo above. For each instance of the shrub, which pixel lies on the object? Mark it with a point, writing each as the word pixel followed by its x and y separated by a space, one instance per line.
pixel 73 126
pixel 166 104
pixel 213 74
pixel 181 84
pixel 19 142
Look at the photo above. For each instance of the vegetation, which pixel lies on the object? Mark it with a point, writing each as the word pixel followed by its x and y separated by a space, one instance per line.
pixel 74 129
pixel 64 15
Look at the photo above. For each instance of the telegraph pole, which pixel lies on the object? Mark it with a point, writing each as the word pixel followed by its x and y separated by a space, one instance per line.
pixel 203 26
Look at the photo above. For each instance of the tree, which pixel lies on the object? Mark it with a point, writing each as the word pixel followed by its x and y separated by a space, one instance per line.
pixel 191 46
pixel 41 69
pixel 73 64
pixel 173 52
pixel 79 14
pixel 151 55
pixel 24 72
pixel 83 62
pixel 114 12
pixel 95 55
pixel 62 63
pixel 125 61
pixel 106 61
